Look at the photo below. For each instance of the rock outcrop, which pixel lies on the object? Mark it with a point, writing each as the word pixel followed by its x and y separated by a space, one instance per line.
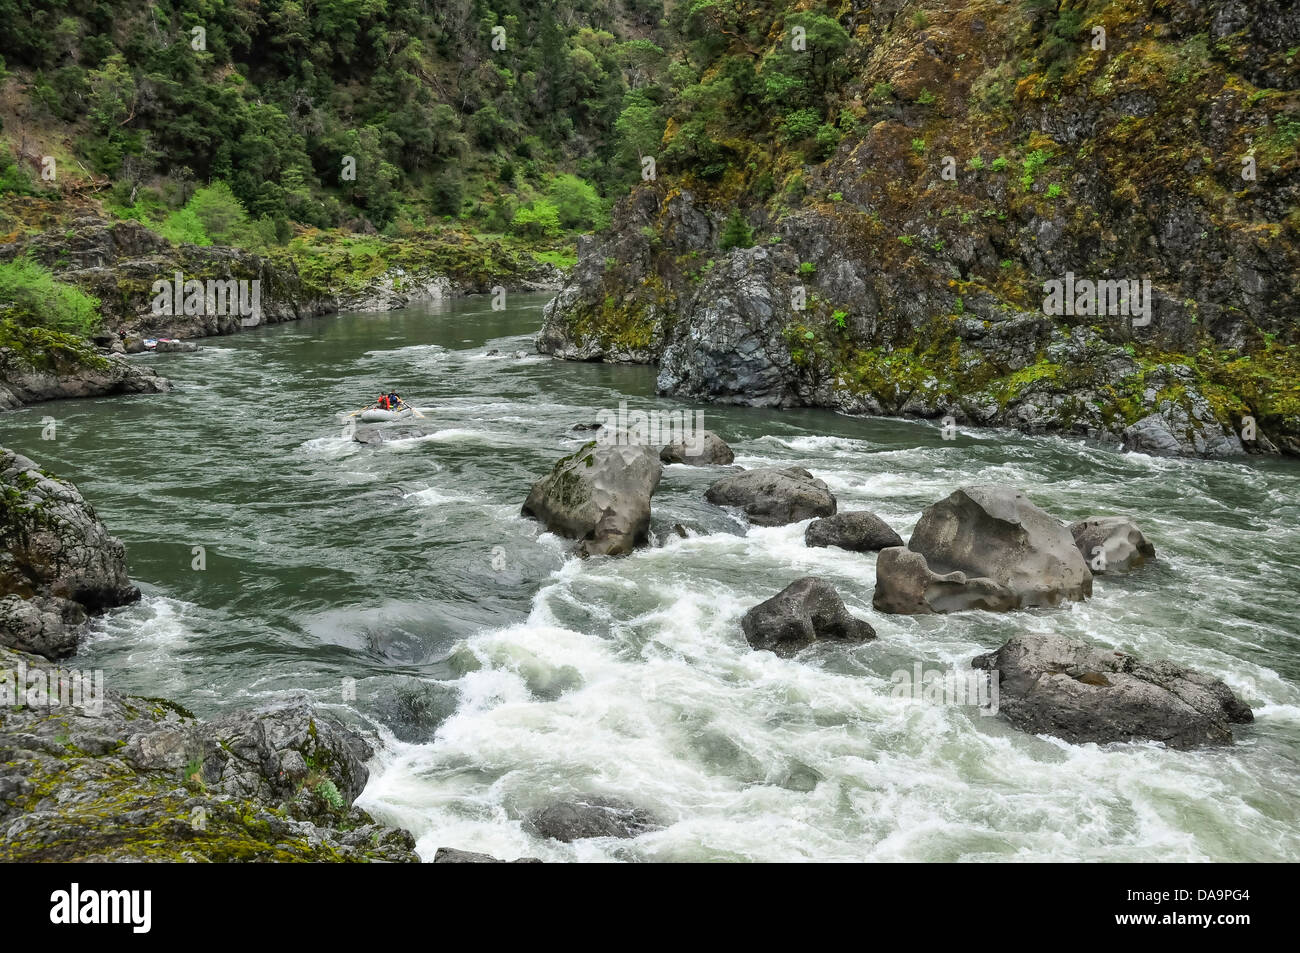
pixel 91 775
pixel 1056 686
pixel 806 611
pixel 22 382
pixel 879 281
pixel 858 531
pixel 57 560
pixel 982 547
pixel 774 496
pixel 599 495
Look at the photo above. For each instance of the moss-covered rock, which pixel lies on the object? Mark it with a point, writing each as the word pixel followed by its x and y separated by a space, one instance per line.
pixel 94 775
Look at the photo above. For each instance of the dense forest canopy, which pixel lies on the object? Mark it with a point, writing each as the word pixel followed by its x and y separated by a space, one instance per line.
pixel 534 118
pixel 443 109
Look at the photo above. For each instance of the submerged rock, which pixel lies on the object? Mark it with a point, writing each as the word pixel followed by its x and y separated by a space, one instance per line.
pixel 859 531
pixel 711 449
pixel 1111 544
pixel 774 496
pixel 982 547
pixel 599 495
pixel 449 855
pixel 1081 693
pixel 372 435
pixel 586 817
pixel 806 611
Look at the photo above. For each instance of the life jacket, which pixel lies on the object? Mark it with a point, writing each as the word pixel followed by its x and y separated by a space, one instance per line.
pixel 383 402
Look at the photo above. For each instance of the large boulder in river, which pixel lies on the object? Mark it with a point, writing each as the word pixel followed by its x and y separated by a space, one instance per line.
pixel 55 552
pixel 599 495
pixel 984 544
pixel 1051 685
pixel 802 613
pixel 906 585
pixel 860 532
pixel 774 496
pixel 707 449
pixel 585 817
pixel 1111 543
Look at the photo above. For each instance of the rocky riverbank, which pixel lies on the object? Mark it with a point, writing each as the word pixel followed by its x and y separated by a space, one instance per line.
pixel 119 262
pixel 90 774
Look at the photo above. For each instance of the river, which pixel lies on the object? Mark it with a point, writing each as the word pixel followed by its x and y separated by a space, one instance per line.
pixel 399 586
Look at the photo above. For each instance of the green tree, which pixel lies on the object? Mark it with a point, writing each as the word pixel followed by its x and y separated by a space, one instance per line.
pixel 577 204
pixel 736 233
pixel 223 218
pixel 536 220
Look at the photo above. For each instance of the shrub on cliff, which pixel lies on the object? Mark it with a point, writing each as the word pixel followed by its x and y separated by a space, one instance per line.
pixel 736 233
pixel 32 298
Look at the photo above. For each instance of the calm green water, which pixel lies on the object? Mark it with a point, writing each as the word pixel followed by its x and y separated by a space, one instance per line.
pixel 399 585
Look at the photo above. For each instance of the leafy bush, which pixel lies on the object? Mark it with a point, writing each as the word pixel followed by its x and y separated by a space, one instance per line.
pixel 537 220
pixel 1032 164
pixel 30 296
pixel 222 216
pixel 184 228
pixel 800 124
pixel 577 203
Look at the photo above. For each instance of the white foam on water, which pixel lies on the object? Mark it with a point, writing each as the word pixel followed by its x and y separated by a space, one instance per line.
pixel 746 756
pixel 434 496
pixel 146 638
pixel 409 349
pixel 335 446
pixel 448 435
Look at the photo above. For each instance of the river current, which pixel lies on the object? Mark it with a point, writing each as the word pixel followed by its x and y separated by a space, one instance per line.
pixel 399 586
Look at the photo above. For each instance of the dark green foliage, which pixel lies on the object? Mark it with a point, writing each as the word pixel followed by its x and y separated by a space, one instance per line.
pixel 284 90
pixel 736 233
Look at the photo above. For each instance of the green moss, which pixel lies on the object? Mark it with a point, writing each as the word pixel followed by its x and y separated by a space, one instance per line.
pixel 44 349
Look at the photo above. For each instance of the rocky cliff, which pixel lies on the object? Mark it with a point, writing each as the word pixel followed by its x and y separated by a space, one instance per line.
pixel 897 262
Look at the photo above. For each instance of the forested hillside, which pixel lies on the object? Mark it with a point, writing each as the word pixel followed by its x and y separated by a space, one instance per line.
pixel 461 109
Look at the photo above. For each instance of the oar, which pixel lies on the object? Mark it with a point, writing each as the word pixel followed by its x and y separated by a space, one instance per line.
pixel 413 410
pixel 361 411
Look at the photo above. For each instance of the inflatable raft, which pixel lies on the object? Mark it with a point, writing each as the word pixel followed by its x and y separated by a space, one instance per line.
pixel 375 415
